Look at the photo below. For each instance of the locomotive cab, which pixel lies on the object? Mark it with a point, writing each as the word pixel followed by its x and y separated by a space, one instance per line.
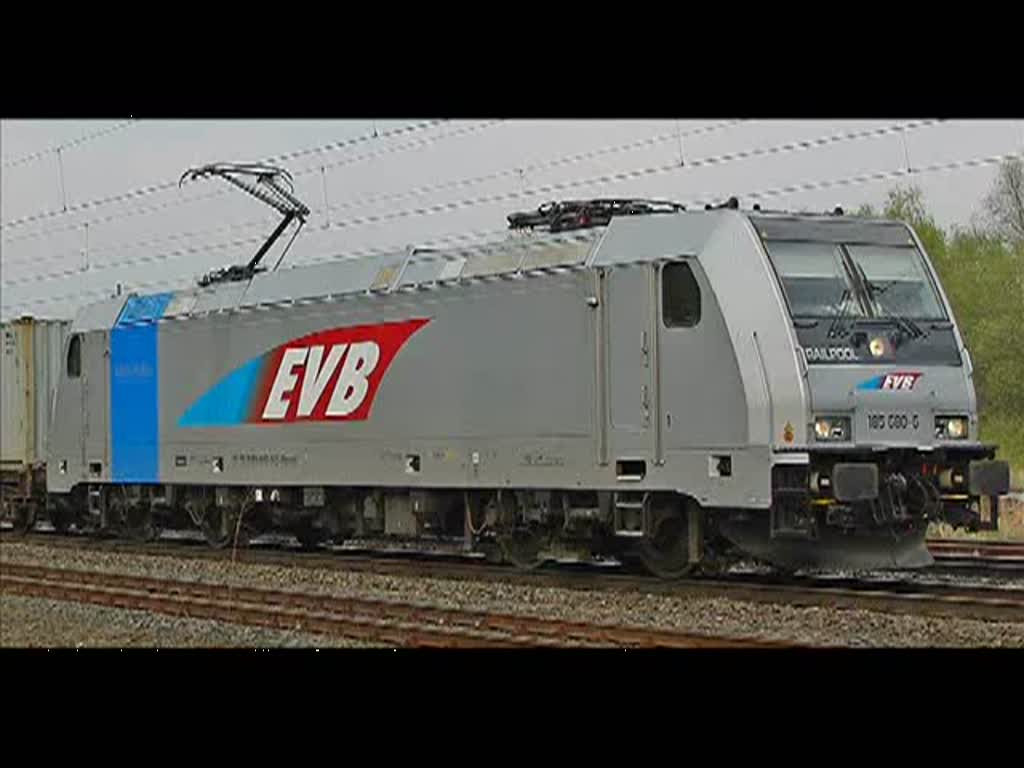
pixel 892 431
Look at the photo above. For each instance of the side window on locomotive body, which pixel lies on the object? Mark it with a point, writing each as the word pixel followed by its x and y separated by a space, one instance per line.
pixel 75 357
pixel 680 296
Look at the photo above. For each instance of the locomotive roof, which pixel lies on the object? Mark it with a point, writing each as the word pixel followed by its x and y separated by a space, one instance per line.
pixel 624 240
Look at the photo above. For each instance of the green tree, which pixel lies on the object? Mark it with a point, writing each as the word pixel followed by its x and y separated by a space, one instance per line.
pixel 982 273
pixel 1004 204
pixel 907 204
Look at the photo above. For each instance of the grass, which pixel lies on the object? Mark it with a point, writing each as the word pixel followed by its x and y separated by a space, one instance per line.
pixel 1011 525
pixel 1008 434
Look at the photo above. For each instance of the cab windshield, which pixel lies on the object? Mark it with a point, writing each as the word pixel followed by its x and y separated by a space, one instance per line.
pixel 824 280
pixel 897 281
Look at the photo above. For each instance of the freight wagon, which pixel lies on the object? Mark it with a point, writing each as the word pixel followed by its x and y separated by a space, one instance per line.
pixel 30 368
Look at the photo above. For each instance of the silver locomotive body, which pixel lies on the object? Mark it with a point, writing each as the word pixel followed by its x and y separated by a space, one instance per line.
pixel 671 385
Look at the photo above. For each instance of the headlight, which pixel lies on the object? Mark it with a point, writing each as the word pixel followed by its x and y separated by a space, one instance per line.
pixel 834 429
pixel 950 427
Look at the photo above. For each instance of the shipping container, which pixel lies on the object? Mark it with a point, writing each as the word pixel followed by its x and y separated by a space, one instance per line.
pixel 30 366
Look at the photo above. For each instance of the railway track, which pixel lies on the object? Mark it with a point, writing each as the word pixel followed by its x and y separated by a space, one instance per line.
pixel 978 555
pixel 906 594
pixel 378 621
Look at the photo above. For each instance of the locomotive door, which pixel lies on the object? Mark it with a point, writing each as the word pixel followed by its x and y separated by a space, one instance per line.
pixel 701 401
pixel 95 402
pixel 630 363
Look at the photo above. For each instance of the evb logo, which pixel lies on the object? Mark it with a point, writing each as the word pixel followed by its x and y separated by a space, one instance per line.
pixel 330 375
pixel 902 381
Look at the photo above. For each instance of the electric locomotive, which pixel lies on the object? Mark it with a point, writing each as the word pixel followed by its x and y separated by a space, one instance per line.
pixel 617 379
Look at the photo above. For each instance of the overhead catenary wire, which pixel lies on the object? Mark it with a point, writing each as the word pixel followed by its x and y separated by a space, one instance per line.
pixel 729 157
pixel 802 145
pixel 393 149
pixel 141 260
pixel 150 189
pixel 99 202
pixel 415 191
pixel 470 237
pixel 115 217
pixel 535 166
pixel 335 146
pixel 68 144
pixel 880 176
pixel 163 257
pixel 798 187
pixel 630 174
pixel 425 141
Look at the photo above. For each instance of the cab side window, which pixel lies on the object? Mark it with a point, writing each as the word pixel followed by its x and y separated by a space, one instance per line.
pixel 75 357
pixel 680 296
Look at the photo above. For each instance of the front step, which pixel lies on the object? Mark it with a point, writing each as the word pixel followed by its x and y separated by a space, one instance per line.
pixel 96 505
pixel 790 497
pixel 632 511
pixel 783 522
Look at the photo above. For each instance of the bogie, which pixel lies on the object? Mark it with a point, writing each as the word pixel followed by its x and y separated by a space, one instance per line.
pixel 524 527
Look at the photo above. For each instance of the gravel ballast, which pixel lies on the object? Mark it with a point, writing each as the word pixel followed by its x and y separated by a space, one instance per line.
pixel 29 622
pixel 42 621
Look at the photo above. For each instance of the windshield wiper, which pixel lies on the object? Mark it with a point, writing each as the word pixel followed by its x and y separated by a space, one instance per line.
pixel 908 325
pixel 852 291
pixel 905 324
pixel 837 329
pixel 869 288
pixel 911 328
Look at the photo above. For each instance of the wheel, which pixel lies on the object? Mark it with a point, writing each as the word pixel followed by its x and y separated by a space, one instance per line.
pixel 138 522
pixel 24 517
pixel 665 552
pixel 60 518
pixel 215 528
pixel 521 547
pixel 223 528
pixel 308 536
pixel 520 544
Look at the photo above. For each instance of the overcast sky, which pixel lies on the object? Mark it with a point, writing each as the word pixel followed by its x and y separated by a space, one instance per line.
pixel 55 260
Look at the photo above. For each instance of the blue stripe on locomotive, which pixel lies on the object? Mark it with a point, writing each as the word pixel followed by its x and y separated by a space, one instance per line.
pixel 134 390
pixel 227 404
